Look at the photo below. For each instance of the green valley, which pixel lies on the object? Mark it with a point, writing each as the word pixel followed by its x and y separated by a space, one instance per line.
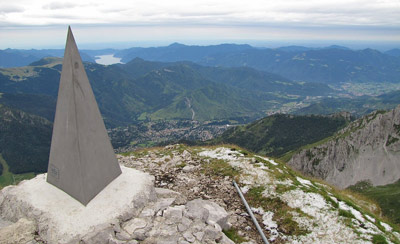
pixel 387 196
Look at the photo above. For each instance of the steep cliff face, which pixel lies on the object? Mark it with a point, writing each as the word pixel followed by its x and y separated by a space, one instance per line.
pixel 367 149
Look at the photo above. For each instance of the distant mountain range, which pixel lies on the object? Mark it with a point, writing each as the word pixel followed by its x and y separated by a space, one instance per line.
pixel 393 52
pixel 143 90
pixel 221 84
pixel 331 65
pixel 20 57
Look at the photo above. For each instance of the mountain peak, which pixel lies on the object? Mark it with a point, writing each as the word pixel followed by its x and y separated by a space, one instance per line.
pixel 47 61
pixel 177 44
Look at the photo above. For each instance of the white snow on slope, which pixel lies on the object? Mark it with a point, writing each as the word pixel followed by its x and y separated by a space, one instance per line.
pixel 304 181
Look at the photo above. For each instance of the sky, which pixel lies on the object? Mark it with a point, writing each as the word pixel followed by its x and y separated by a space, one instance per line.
pixel 120 24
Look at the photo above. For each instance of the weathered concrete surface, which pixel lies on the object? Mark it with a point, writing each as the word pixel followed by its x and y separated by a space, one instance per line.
pixel 62 219
pixel 82 161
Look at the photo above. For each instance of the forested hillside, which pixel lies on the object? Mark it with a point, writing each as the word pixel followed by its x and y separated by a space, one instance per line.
pixel 142 90
pixel 24 140
pixel 278 134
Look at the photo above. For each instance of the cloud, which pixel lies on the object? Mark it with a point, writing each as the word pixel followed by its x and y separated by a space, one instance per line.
pixel 60 5
pixel 7 8
pixel 307 12
pixel 224 19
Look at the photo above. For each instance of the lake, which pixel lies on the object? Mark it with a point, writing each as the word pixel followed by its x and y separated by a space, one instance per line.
pixel 107 59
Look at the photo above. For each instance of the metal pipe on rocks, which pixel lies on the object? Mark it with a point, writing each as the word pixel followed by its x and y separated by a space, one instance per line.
pixel 250 213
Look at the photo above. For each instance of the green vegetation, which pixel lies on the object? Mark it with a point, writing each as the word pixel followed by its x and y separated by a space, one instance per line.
pixel 234 236
pixel 345 213
pixel 8 178
pixel 142 90
pixel 24 141
pixel 282 212
pixel 387 196
pixel 379 239
pixel 219 167
pixel 358 106
pixel 278 134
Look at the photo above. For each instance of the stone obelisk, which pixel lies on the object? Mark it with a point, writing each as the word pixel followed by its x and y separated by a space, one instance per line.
pixel 82 161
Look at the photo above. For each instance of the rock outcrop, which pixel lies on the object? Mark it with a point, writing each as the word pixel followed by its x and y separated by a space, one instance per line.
pixel 190 199
pixel 367 149
pixel 129 210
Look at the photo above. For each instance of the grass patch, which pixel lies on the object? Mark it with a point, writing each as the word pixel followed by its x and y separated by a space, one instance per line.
pixel 379 239
pixel 234 236
pixel 387 197
pixel 219 167
pixel 282 212
pixel 8 178
pixel 346 214
pixel 281 188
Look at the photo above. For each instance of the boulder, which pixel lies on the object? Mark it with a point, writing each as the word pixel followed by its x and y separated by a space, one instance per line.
pixel 208 211
pixel 22 231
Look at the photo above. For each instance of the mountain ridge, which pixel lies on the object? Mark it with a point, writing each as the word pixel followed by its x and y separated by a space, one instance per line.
pixel 331 65
pixel 275 135
pixel 138 89
pixel 350 156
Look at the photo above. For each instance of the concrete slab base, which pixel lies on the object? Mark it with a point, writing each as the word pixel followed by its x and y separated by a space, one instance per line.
pixel 62 219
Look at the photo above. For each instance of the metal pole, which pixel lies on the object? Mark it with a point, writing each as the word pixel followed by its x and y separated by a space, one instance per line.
pixel 251 213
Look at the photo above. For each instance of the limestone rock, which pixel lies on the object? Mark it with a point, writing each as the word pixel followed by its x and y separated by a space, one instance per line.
pixel 367 149
pixel 195 210
pixel 208 211
pixel 134 224
pixel 22 231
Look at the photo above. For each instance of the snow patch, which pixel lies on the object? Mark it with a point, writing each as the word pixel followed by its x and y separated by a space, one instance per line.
pixel 334 198
pixel 370 218
pixel 304 181
pixel 222 153
pixel 270 225
pixel 387 227
pixel 245 189
pixel 355 212
pixel 269 160
pixel 261 166
pixel 396 234
pixel 309 203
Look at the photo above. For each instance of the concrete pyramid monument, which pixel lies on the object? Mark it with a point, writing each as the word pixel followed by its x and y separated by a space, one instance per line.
pixel 82 161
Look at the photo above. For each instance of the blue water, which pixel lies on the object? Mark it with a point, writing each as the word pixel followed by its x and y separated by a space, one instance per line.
pixel 108 59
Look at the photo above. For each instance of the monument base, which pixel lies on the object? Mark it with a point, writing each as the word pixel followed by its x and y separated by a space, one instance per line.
pixel 62 219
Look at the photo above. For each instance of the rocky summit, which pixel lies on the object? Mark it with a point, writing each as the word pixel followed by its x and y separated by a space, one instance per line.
pixel 366 150
pixel 193 201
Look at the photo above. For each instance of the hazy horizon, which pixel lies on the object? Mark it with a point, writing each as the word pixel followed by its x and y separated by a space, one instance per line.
pixel 263 23
pixel 380 46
